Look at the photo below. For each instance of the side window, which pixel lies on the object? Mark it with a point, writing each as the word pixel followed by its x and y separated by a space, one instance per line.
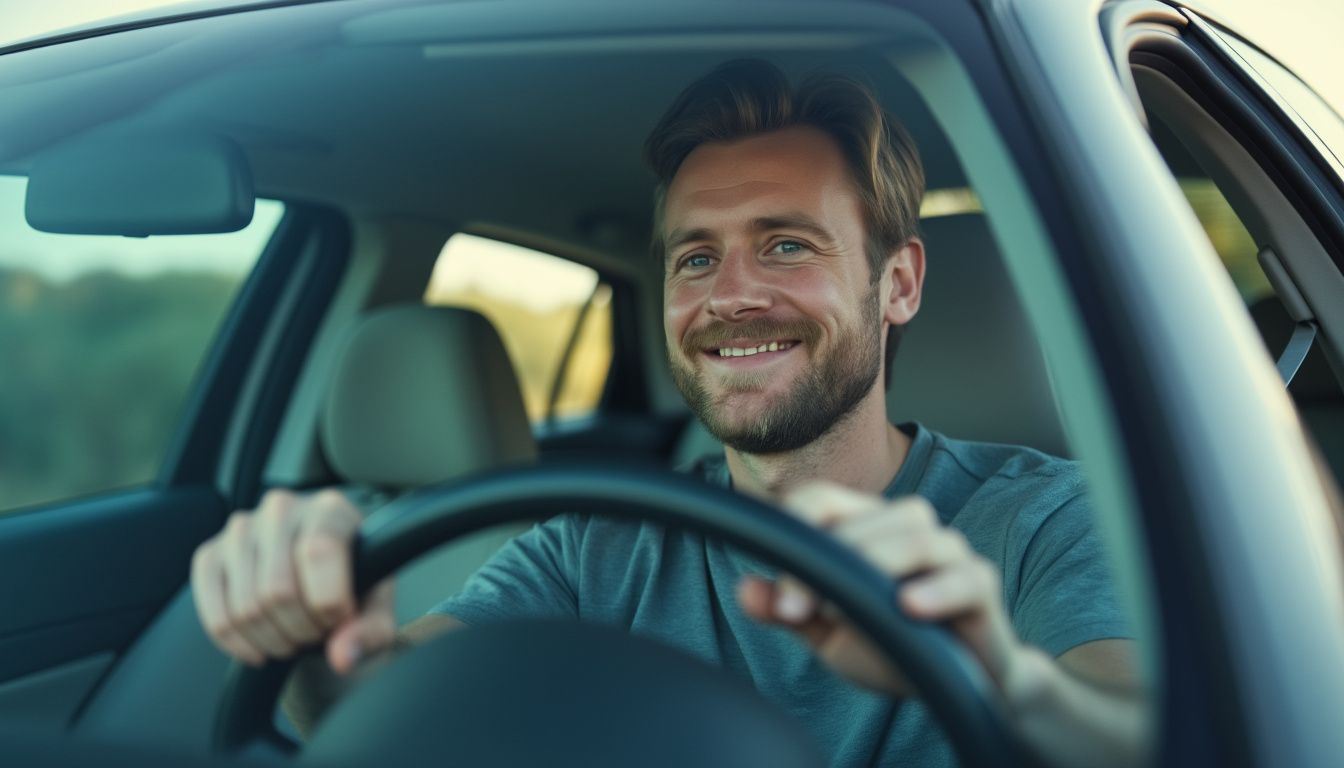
pixel 553 314
pixel 1321 122
pixel 100 338
pixel 1249 210
pixel 1235 246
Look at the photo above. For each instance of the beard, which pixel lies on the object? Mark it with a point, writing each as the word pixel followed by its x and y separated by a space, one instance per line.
pixel 826 393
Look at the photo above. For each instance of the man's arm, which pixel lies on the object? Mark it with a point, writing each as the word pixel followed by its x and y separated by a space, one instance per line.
pixel 314 687
pixel 1083 708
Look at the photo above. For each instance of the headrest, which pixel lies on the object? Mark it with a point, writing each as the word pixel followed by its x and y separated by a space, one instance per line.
pixel 968 365
pixel 421 395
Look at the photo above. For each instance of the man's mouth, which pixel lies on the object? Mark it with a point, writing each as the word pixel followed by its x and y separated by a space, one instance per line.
pixel 747 351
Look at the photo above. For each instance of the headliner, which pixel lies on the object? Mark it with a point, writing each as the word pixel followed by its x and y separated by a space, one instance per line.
pixel 520 115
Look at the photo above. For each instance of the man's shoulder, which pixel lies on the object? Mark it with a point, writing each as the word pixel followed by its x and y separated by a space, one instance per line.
pixel 985 462
pixel 966 472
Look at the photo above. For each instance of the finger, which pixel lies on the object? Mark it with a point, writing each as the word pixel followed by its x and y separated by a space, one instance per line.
pixel 240 581
pixel 779 602
pixel 967 586
pixel 901 552
pixel 207 591
pixel 277 585
pixel 793 602
pixel 373 630
pixel 896 517
pixel 826 505
pixel 327 526
pixel 757 597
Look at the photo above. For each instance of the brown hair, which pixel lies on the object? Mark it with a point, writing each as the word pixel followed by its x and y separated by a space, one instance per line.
pixel 748 97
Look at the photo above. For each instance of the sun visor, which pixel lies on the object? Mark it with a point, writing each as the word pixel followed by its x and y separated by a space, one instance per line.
pixel 140 185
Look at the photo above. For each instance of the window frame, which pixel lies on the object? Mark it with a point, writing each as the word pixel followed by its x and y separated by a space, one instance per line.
pixel 1274 143
pixel 623 340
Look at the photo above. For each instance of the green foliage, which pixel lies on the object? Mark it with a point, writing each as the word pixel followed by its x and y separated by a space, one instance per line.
pixel 93 374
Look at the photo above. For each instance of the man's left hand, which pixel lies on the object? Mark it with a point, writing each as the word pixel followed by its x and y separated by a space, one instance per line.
pixel 942 580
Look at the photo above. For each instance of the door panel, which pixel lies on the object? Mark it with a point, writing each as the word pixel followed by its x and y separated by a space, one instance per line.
pixel 87 577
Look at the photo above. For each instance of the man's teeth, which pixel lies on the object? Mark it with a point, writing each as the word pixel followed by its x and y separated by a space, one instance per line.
pixel 774 346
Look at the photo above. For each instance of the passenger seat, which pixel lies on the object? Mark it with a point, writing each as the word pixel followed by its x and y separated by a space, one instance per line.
pixel 422 395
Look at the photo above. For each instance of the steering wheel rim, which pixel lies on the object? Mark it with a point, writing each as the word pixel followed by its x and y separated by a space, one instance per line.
pixel 951 684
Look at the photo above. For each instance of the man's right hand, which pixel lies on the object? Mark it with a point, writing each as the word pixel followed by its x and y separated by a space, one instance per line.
pixel 280 579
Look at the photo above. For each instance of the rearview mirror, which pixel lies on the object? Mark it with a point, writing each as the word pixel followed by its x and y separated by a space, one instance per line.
pixel 140 185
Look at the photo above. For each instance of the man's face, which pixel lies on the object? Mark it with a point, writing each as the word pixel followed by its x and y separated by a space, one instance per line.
pixel 774 324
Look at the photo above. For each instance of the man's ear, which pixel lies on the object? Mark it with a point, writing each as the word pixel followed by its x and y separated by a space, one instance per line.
pixel 904 282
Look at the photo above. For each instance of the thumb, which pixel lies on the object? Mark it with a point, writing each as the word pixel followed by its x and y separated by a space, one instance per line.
pixel 760 599
pixel 372 630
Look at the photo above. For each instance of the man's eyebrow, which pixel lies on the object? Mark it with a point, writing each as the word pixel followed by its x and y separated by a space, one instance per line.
pixel 680 237
pixel 796 221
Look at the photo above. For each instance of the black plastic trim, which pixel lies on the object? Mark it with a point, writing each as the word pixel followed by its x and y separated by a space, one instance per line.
pixel 317 273
pixel 194 454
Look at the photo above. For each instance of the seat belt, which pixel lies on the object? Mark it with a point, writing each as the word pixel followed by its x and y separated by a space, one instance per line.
pixel 1305 326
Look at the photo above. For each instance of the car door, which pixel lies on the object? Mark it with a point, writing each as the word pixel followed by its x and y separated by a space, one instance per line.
pixel 143 381
pixel 1265 187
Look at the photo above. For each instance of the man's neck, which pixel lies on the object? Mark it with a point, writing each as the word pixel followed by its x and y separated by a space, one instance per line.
pixel 862 451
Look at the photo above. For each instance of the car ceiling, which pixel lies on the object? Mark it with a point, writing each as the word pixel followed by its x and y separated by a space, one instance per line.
pixel 428 112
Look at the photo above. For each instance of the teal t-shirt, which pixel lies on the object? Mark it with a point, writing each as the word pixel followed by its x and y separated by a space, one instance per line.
pixel 1023 510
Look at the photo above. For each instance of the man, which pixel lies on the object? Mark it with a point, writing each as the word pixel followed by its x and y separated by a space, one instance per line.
pixel 786 226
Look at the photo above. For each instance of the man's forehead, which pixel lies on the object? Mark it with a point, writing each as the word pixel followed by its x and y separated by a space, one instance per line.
pixel 795 166
pixel 709 198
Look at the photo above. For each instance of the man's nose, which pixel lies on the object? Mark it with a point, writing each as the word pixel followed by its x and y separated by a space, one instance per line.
pixel 739 288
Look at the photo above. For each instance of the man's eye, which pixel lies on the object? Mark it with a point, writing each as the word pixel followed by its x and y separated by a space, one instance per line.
pixel 696 261
pixel 788 247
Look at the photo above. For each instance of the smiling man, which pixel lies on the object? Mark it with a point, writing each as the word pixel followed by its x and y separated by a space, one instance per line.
pixel 787 230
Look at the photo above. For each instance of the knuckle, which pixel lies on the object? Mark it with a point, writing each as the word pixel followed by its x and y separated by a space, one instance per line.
pixel 237 525
pixel 276 509
pixel 219 629
pixel 281 497
pixel 204 558
pixel 329 496
pixel 921 540
pixel 329 610
pixel 317 546
pixel 276 594
pixel 331 503
pixel 248 614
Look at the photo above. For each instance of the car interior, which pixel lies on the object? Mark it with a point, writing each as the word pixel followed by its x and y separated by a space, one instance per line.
pixel 392 129
pixel 385 129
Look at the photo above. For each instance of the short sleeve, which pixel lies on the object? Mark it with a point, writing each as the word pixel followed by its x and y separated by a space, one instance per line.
pixel 531 577
pixel 1067 594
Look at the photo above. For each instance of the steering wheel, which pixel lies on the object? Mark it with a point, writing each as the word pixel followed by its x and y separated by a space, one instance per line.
pixel 951 684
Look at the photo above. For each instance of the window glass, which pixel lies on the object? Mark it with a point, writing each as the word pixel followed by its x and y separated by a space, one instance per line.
pixel 553 315
pixel 100 338
pixel 1310 108
pixel 1234 244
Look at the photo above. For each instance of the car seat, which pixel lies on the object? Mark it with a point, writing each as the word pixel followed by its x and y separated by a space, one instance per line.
pixel 422 395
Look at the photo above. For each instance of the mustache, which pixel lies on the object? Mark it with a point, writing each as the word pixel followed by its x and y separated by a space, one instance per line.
pixel 715 333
